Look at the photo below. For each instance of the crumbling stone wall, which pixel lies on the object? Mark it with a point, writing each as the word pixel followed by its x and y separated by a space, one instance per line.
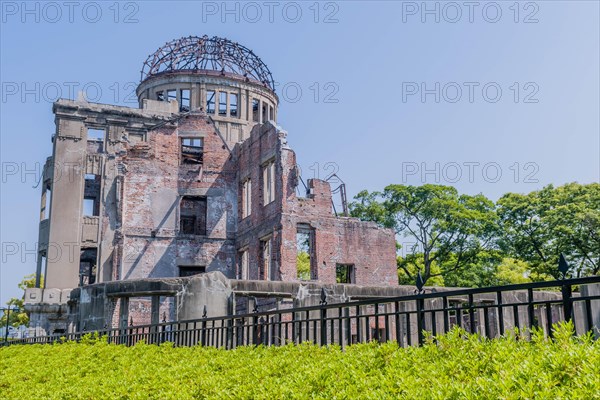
pixel 155 182
pixel 337 240
pixel 140 180
pixel 143 179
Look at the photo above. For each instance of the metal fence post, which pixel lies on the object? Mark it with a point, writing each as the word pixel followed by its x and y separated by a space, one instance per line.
pixel 563 268
pixel 315 324
pixel 255 324
pixel 567 300
pixel 531 309
pixel 420 319
pixel 163 328
pixel 420 303
pixel 203 340
pixel 323 317
pixel 472 327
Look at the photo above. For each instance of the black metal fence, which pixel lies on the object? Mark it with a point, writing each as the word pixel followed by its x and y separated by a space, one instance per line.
pixel 490 312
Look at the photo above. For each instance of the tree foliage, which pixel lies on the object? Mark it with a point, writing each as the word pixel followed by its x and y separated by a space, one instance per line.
pixel 20 317
pixel 303 265
pixel 303 256
pixel 462 240
pixel 449 230
pixel 538 226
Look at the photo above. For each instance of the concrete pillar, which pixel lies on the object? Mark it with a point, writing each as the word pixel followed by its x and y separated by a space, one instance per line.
pixel 252 332
pixel 592 289
pixel 202 94
pixel 124 312
pixel 38 270
pixel 217 103
pixel 243 105
pixel 155 310
pixel 238 93
pixel 252 304
pixel 212 290
pixel 227 104
pixel 67 201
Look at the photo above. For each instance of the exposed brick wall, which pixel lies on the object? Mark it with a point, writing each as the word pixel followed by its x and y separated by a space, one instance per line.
pixel 153 186
pixel 144 180
pixel 263 145
pixel 369 248
pixel 140 311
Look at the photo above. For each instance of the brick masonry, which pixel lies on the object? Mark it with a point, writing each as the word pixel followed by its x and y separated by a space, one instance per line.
pixel 142 183
pixel 337 240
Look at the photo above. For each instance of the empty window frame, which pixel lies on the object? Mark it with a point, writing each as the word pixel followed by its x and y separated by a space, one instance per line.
pixel 210 101
pixel 88 207
pixel 255 110
pixel 95 134
pixel 192 215
pixel 171 94
pixel 246 198
pixel 95 140
pixel 41 271
pixel 91 195
pixel 265 112
pixel 244 265
pixel 266 261
pixel 192 150
pixel 87 266
pixel 185 104
pixel 46 196
pixel 160 95
pixel 190 270
pixel 223 104
pixel 305 252
pixel 268 174
pixel 344 273
pixel 233 105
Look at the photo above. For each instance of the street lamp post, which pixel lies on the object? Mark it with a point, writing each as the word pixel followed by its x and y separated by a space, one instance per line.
pixel 8 310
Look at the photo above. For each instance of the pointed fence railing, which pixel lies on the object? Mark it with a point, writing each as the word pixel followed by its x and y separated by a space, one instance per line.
pixel 490 312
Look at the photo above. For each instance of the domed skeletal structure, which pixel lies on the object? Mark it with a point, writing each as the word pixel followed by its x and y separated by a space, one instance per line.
pixel 197 54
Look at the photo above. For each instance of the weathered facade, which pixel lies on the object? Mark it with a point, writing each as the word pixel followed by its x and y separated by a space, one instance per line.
pixel 198 179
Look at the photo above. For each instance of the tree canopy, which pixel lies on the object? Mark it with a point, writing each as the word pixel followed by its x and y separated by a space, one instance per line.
pixel 463 240
pixel 19 317
pixel 540 225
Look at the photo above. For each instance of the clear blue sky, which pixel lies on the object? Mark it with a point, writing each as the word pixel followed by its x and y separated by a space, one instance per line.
pixel 373 58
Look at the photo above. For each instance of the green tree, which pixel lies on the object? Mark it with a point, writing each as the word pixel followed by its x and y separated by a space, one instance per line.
pixel 303 265
pixel 450 230
pixel 538 226
pixel 512 270
pixel 19 317
pixel 413 262
pixel 303 256
pixel 479 271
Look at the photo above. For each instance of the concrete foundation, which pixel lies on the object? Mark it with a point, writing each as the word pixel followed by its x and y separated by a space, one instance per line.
pixel 106 305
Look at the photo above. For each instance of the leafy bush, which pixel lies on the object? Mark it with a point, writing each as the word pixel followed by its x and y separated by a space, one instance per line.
pixel 454 366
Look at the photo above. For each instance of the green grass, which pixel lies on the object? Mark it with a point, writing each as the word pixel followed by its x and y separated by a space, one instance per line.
pixel 457 366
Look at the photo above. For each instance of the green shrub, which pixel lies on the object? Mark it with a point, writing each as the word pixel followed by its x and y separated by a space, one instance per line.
pixel 454 366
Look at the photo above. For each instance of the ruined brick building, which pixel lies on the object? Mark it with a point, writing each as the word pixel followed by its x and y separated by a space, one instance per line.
pixel 198 179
